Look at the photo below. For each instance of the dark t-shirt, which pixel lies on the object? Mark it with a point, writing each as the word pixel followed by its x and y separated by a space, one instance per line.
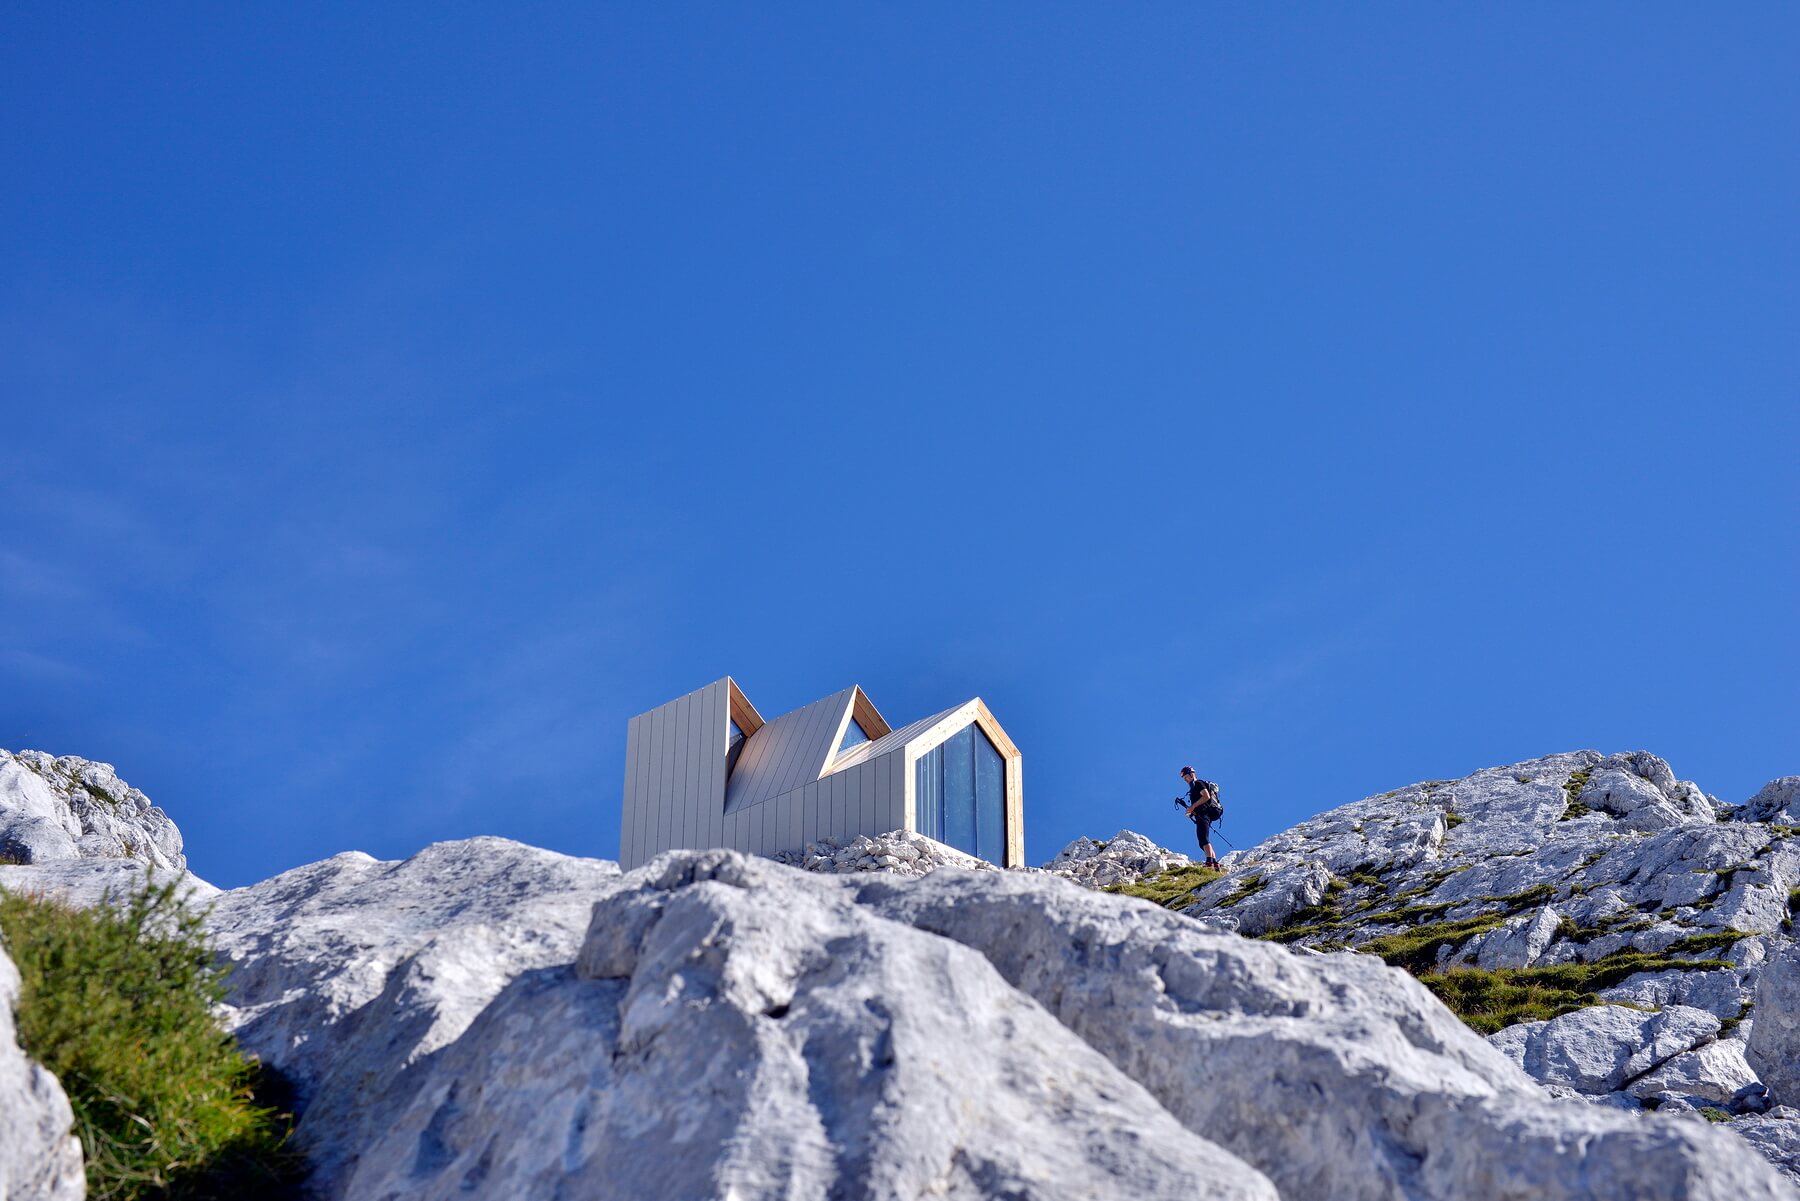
pixel 1197 791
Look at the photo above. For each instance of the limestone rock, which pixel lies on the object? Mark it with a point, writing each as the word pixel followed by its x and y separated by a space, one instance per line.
pixel 730 1033
pixel 1521 942
pixel 1773 1048
pixel 86 882
pixel 1600 1049
pixel 40 1157
pixel 348 971
pixel 1721 993
pixel 1715 1071
pixel 899 851
pixel 1335 1075
pixel 1777 802
pixel 53 810
pixel 1776 1136
pixel 1124 858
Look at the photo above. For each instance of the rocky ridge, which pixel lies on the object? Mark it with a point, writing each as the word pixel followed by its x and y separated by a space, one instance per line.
pixel 1636 923
pixel 721 1025
pixel 487 1019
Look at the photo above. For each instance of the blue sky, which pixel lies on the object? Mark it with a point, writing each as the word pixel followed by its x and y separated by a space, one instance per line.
pixel 397 400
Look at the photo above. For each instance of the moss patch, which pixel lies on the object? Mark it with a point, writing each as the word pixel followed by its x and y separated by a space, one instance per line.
pixel 1490 1000
pixel 1172 888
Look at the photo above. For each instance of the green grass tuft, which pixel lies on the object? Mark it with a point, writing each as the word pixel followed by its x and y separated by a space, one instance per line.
pixel 1453 820
pixel 1713 1113
pixel 1490 1000
pixel 1172 888
pixel 118 1003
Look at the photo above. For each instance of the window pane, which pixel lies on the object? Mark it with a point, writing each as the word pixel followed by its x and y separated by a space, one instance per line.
pixel 959 790
pixel 990 800
pixel 928 794
pixel 854 735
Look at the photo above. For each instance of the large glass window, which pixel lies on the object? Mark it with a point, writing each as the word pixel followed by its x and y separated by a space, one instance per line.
pixel 960 794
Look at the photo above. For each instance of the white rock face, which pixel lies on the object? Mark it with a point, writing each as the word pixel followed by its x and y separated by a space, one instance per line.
pixel 727 1033
pixel 61 809
pixel 1600 1049
pixel 40 1159
pixel 725 1026
pixel 348 971
pixel 1774 1045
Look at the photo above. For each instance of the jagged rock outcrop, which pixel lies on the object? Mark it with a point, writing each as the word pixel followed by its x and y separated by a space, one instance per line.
pixel 40 1158
pixel 52 810
pixel 1124 858
pixel 723 1025
pixel 898 851
pixel 1646 891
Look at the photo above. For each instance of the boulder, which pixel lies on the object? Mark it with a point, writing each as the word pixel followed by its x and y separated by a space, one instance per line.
pixel 1641 789
pixel 347 971
pixel 1521 942
pixel 40 1157
pixel 1600 1049
pixel 1773 1047
pixel 1715 1071
pixel 729 1032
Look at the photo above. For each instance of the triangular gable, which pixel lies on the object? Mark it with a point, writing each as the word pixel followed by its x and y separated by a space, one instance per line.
pixel 790 751
pixel 897 739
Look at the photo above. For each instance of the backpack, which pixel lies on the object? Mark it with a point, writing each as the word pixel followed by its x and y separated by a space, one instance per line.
pixel 1214 809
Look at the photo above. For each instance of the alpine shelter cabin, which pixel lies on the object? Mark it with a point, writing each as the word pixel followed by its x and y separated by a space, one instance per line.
pixel 705 770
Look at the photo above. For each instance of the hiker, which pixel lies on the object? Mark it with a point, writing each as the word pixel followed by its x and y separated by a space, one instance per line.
pixel 1204 808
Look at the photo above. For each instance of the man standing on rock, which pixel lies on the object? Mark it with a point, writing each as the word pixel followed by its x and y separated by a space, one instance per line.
pixel 1204 808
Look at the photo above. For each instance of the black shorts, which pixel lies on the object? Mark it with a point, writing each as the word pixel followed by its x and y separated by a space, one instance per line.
pixel 1202 830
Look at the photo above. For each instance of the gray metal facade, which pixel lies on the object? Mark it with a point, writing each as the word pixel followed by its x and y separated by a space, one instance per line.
pixel 788 785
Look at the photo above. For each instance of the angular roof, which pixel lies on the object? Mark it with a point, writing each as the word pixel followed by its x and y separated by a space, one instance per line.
pixel 897 739
pixel 795 749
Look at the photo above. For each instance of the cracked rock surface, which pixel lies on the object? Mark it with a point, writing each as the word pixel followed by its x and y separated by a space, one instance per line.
pixel 490 1020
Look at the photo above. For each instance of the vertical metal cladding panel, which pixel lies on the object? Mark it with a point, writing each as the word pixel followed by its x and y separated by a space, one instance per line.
pixel 640 788
pixel 796 826
pixel 867 784
pixel 894 816
pixel 878 798
pixel 626 812
pixel 657 816
pixel 718 701
pixel 678 781
pixel 729 836
pixel 831 808
pixel 692 767
pixel 649 739
pixel 671 798
pixel 665 776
